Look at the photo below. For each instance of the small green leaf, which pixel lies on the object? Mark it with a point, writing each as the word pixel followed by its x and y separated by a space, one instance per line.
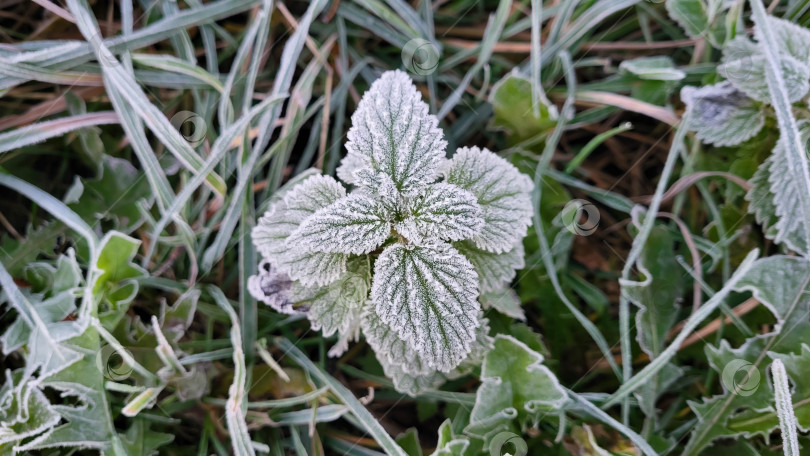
pixel 515 385
pixel 513 112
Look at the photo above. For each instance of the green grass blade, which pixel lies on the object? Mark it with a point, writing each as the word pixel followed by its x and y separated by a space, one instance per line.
pixel 368 421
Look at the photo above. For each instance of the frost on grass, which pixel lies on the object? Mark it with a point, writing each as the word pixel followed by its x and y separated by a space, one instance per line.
pixel 420 309
pixel 773 197
pixel 744 62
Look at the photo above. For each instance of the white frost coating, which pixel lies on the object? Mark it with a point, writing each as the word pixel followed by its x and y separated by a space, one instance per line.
pixel 271 235
pixel 380 186
pixel 344 337
pixel 482 344
pixel 271 232
pixel 409 383
pixel 348 166
pixel 273 288
pixel 443 211
pixel 495 270
pixel 393 130
pixel 722 115
pixel 332 308
pixel 428 295
pixel 502 191
pixel 773 197
pixel 356 224
pixel 784 409
pixel 743 64
pixel 388 345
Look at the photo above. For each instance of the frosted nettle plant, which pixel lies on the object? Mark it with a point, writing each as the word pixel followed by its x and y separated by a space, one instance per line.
pixel 403 256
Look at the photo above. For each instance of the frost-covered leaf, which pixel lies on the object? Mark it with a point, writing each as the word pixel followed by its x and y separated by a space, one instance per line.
pixel 407 383
pixel 494 269
pixel 450 444
pixel 442 211
pixel 85 425
pixel 46 336
pixel 390 347
pixel 700 18
pixel 350 334
pixel 743 64
pixel 273 288
pixel 658 68
pixel 505 301
pixel 272 232
pixel 381 187
pixel 24 410
pixel 356 224
pixel 301 201
pixel 428 295
pixel 745 407
pixel 348 166
pixel 722 115
pixel 773 197
pixel 515 385
pixel 392 132
pixel 481 345
pixel 658 298
pixel 408 369
pixel 332 308
pixel 502 191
